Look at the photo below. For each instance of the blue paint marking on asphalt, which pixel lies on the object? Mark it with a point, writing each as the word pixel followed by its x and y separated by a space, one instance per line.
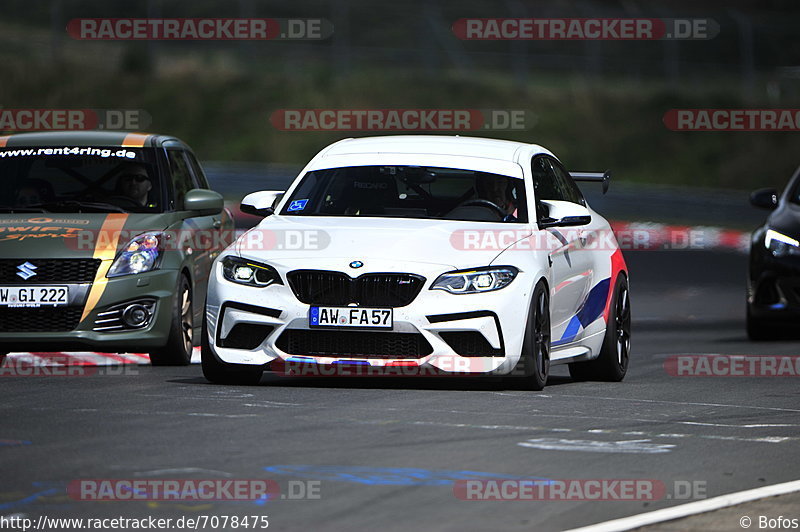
pixel 390 476
pixel 55 489
pixel 13 443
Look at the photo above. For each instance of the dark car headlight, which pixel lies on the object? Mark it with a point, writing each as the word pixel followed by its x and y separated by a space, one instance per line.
pixel 475 281
pixel 248 272
pixel 780 245
pixel 142 254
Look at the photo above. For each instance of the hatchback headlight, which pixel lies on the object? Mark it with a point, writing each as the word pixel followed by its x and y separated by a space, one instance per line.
pixel 248 272
pixel 475 281
pixel 141 254
pixel 781 245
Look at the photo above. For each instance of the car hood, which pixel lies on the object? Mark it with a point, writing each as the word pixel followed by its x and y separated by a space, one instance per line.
pixel 71 235
pixel 380 243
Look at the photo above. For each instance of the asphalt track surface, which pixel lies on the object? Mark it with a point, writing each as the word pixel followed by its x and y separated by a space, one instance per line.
pixel 385 452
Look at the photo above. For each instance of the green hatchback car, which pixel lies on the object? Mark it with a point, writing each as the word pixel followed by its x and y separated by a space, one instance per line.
pixel 106 242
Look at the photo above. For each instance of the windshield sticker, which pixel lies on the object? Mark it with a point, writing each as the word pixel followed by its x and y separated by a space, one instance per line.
pixel 297 205
pixel 91 152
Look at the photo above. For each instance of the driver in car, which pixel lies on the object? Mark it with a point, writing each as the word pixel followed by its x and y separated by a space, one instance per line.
pixel 500 191
pixel 133 182
pixel 33 192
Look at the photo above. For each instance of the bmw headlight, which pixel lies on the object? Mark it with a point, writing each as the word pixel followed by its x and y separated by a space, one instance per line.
pixel 140 255
pixel 251 273
pixel 781 245
pixel 475 281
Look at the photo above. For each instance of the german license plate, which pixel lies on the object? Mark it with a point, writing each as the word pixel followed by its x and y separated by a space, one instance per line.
pixel 33 296
pixel 373 318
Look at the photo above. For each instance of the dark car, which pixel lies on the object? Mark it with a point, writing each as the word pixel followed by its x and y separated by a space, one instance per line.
pixel 773 295
pixel 106 241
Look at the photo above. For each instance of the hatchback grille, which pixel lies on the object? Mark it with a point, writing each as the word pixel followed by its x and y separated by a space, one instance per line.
pixel 39 319
pixel 49 270
pixel 321 287
pixel 351 344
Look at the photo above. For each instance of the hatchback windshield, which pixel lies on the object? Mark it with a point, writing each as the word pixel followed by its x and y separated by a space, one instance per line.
pixel 409 192
pixel 85 179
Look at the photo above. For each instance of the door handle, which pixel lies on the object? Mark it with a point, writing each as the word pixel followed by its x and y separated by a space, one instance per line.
pixel 217 224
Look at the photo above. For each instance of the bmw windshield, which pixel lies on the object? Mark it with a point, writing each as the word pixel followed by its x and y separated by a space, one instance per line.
pixel 409 192
pixel 80 179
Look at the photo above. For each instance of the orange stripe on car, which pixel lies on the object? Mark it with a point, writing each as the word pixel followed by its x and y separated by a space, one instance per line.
pixel 105 250
pixel 134 140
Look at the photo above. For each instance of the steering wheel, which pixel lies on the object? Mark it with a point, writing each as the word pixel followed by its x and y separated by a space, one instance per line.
pixel 484 203
pixel 124 200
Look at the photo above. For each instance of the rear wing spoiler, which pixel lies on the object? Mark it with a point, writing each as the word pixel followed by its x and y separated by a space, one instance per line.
pixel 595 177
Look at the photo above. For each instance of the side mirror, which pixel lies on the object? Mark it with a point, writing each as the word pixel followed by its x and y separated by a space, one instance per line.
pixel 261 203
pixel 203 202
pixel 562 214
pixel 765 198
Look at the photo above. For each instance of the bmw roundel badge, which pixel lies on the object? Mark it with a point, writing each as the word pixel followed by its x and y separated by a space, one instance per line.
pixel 356 264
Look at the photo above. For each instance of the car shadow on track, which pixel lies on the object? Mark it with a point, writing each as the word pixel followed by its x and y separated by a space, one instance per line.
pixel 489 384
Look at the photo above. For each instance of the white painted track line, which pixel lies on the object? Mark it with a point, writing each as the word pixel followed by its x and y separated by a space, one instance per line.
pixel 692 508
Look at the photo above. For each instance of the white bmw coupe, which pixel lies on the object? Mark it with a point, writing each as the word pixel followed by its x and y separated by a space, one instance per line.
pixel 457 255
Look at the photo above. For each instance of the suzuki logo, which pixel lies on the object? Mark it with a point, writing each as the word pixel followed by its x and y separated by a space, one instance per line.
pixel 26 270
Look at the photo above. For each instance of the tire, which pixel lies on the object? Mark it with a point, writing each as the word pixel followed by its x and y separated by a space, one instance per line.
pixel 612 364
pixel 218 372
pixel 178 349
pixel 534 362
pixel 759 329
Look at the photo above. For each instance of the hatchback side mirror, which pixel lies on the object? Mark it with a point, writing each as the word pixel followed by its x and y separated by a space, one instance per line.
pixel 203 202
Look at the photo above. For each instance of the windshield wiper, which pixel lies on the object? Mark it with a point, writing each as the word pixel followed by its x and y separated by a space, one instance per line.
pixel 73 204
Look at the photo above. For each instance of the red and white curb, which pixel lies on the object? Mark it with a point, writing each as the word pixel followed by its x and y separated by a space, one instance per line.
pixel 82 358
pixel 651 236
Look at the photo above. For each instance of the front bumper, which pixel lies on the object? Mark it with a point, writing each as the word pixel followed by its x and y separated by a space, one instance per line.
pixel 157 287
pixel 499 317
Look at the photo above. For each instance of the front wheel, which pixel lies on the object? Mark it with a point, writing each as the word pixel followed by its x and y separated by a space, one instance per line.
pixel 218 372
pixel 178 350
pixel 534 361
pixel 612 364
pixel 759 329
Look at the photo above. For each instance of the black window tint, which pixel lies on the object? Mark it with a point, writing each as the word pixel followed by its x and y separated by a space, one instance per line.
pixel 181 177
pixel 544 183
pixel 566 184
